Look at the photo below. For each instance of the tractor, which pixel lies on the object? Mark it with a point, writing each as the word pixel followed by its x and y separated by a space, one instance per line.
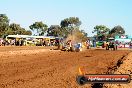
pixel 100 44
pixel 111 44
pixel 72 47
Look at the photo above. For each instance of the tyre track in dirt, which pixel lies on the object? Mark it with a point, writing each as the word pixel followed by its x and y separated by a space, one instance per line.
pixel 125 67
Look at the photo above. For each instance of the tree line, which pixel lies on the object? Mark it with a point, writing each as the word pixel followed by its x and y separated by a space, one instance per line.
pixel 67 26
pixel 11 29
pixel 104 32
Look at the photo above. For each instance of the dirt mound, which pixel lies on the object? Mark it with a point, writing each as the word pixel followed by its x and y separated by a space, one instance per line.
pixel 125 68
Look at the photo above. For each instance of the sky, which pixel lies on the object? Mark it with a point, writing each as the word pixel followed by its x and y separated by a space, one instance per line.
pixel 90 12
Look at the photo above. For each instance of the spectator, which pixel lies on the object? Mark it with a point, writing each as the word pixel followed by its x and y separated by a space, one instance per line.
pixel 88 44
pixel 44 43
pixel 131 45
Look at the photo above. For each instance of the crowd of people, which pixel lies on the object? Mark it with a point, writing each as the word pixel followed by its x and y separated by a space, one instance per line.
pixel 42 42
pixel 27 42
pixel 11 42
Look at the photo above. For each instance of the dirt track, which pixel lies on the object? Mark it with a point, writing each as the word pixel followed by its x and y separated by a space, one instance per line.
pixel 36 67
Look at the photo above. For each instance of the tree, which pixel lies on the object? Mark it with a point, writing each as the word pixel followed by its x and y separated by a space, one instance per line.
pixel 22 31
pixel 70 24
pixel 55 30
pixel 84 33
pixel 79 36
pixel 117 30
pixel 28 32
pixel 40 27
pixel 10 29
pixel 102 31
pixel 70 29
pixel 4 24
pixel 15 27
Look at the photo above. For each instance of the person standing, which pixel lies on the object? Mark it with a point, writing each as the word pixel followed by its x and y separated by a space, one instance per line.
pixel 20 41
pixel 88 44
pixel 44 43
pixel 130 45
pixel 70 45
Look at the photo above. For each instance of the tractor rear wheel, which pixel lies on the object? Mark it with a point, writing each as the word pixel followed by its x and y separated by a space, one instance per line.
pixel 107 47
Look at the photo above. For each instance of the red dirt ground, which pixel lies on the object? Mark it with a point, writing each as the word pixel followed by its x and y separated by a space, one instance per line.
pixel 39 67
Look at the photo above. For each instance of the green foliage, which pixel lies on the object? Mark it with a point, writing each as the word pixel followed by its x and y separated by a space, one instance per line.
pixel 28 32
pixel 101 29
pixel 117 30
pixel 55 30
pixel 11 29
pixel 40 27
pixel 70 27
pixel 71 21
pixel 70 24
pixel 4 23
pixel 15 27
pixel 102 32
